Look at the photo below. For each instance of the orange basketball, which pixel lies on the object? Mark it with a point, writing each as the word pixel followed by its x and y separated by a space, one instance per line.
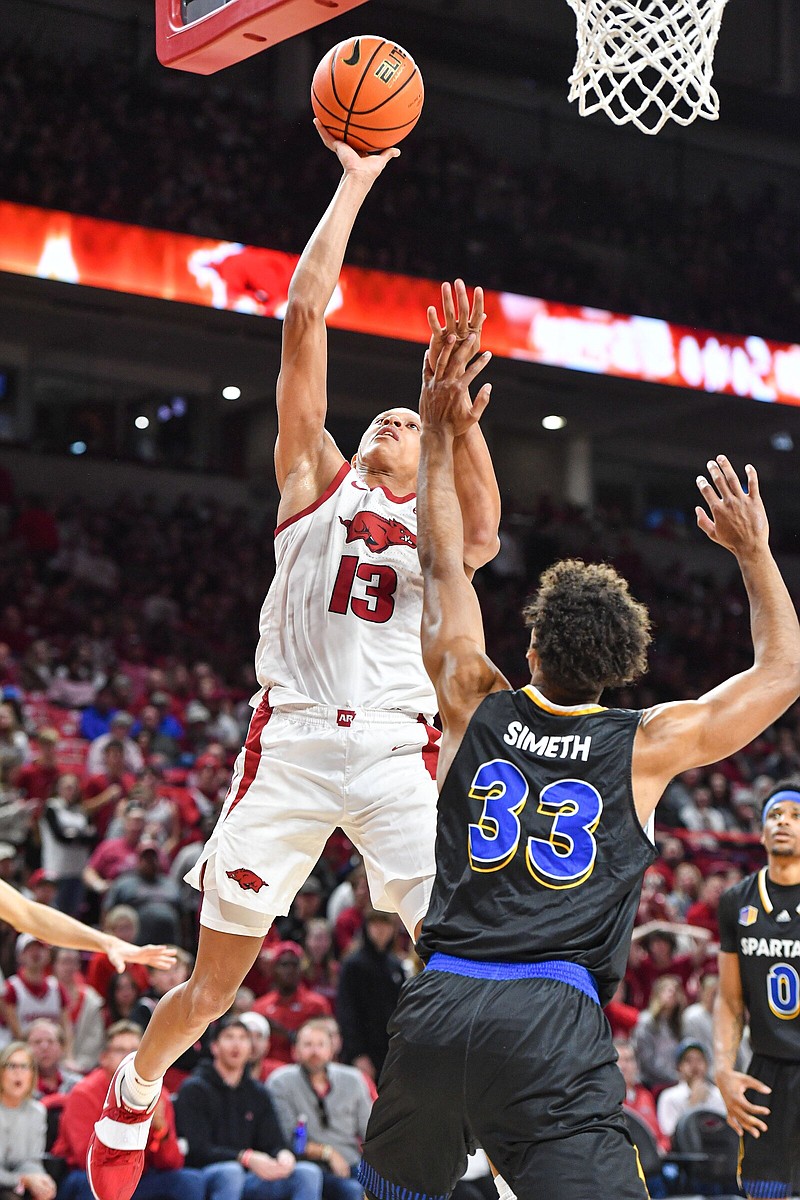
pixel 367 92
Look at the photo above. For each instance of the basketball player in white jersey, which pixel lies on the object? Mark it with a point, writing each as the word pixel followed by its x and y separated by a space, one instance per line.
pixel 341 734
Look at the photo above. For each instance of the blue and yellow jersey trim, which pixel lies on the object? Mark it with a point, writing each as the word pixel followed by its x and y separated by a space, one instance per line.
pixel 560 710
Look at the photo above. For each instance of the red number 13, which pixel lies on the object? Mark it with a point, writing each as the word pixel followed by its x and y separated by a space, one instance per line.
pixel 377 604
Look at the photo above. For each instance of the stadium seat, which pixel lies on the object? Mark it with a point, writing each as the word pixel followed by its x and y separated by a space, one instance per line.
pixel 708 1149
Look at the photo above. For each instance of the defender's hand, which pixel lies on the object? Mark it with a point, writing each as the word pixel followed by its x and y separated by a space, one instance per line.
pixel 366 166
pixel 743 1115
pixel 120 953
pixel 445 401
pixel 736 519
pixel 462 323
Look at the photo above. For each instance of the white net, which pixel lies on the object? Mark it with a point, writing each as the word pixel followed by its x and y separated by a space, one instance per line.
pixel 646 62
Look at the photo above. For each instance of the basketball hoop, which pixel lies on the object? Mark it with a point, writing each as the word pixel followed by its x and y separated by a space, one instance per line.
pixel 646 61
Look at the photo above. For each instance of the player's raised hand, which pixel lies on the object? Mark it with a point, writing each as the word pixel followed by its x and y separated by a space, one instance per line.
pixel 369 166
pixel 743 1115
pixel 445 401
pixel 736 519
pixel 459 318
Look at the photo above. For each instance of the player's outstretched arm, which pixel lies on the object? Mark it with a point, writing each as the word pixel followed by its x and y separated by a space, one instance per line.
pixel 57 929
pixel 476 484
pixel 453 646
pixel 743 1115
pixel 306 459
pixel 674 737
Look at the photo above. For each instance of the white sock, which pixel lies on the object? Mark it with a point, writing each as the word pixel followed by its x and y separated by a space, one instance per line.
pixel 503 1189
pixel 138 1092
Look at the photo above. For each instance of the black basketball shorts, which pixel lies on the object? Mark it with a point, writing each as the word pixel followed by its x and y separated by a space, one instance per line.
pixel 770 1164
pixel 525 1067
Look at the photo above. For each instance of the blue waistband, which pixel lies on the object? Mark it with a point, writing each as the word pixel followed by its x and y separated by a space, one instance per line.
pixel 564 972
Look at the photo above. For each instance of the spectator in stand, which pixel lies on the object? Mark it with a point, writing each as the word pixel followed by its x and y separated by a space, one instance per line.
pixel 14 745
pixel 658 1030
pixel 696 1021
pixel 66 835
pixel 369 988
pixel 222 725
pixel 260 1065
pixel 349 923
pixel 122 922
pixel 700 814
pixel 116 856
pixel 152 893
pixel 41 887
pixel 261 976
pixel 685 891
pixel 290 1003
pixel 638 1098
pixel 164 1175
pixel 96 719
pixel 320 967
pixel 693 1090
pixel 660 958
pixel 119 731
pixel 162 821
pixel 33 992
pixel 85 1010
pixel 336 1103
pixel 122 998
pixel 231 1129
pixel 23 1128
pixel 305 906
pixel 103 792
pixel 703 913
pixel 36 780
pixel 784 761
pixel 622 1017
pixel 653 901
pixel 150 730
pixel 76 680
pixel 745 813
pixel 36 669
pixel 46 1043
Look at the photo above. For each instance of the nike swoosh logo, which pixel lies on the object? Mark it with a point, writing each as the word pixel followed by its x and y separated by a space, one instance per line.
pixel 355 56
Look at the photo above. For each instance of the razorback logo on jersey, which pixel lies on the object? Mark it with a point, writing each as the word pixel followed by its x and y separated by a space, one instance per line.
pixel 377 532
pixel 247 879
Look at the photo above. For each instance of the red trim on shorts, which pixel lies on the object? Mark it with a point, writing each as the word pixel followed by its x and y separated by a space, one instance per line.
pixel 326 495
pixel 430 752
pixel 252 751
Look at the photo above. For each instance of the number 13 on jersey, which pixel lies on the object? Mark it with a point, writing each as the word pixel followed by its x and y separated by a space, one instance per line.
pixel 565 857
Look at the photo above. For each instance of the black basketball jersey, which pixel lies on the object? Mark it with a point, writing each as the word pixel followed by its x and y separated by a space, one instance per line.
pixel 760 921
pixel 539 851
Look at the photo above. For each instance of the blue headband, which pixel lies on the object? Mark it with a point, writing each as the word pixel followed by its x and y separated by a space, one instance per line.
pixel 790 794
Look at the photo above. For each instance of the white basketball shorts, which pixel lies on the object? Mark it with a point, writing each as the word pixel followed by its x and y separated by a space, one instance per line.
pixel 301 773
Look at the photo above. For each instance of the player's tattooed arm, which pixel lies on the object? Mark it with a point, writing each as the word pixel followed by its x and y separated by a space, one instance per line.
pixel 306 458
pixel 475 480
pixel 743 1114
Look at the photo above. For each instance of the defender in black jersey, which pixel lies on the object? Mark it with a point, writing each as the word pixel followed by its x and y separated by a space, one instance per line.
pixel 545 796
pixel 759 922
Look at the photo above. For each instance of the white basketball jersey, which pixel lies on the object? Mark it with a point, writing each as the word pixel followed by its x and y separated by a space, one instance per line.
pixel 341 623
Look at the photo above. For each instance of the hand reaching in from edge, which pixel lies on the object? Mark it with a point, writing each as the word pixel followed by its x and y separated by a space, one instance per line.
pixel 445 402
pixel 736 519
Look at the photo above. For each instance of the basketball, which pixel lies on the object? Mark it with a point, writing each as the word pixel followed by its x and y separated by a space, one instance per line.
pixel 368 92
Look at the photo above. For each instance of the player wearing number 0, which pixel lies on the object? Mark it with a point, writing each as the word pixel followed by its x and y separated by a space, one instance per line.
pixel 341 734
pixel 759 974
pixel 545 796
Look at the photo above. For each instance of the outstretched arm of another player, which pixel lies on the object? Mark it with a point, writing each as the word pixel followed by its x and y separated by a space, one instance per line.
pixel 743 1115
pixel 306 458
pixel 452 627
pixel 57 929
pixel 476 484
pixel 674 737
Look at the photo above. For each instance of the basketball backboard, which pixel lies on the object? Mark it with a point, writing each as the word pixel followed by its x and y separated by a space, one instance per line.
pixel 206 35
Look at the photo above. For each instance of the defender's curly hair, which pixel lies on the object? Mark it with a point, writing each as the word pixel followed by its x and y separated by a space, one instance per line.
pixel 588 630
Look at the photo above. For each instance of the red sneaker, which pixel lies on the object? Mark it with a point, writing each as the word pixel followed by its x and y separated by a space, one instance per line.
pixel 115 1160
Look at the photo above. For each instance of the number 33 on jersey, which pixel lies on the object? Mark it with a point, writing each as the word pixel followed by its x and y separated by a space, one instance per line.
pixel 538 829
